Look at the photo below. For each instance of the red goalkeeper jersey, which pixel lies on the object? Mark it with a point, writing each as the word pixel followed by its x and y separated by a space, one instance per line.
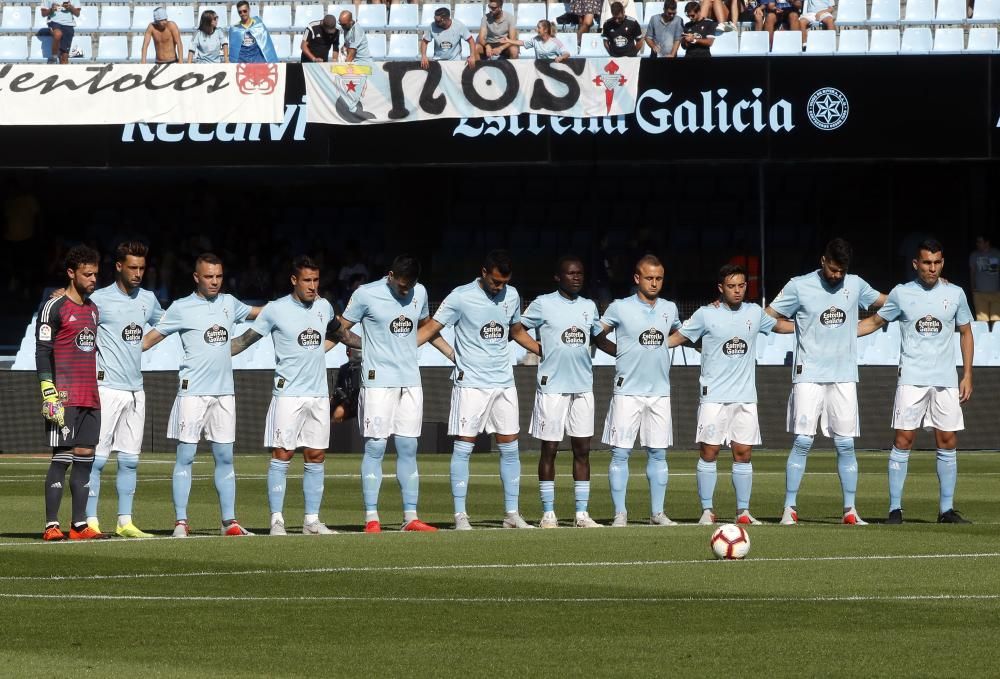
pixel 66 350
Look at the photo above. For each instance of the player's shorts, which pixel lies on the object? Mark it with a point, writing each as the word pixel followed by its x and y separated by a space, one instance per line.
pixel 81 428
pixel 213 416
pixel 475 410
pixel 123 418
pixel 298 422
pixel 645 416
pixel 720 424
pixel 556 415
pixel 928 407
pixel 833 406
pixel 383 411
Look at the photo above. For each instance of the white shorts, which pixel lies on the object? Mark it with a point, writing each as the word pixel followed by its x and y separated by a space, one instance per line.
pixel 720 424
pixel 123 418
pixel 816 17
pixel 555 415
pixel 298 422
pixel 191 416
pixel 928 407
pixel 475 410
pixel 383 411
pixel 833 406
pixel 647 416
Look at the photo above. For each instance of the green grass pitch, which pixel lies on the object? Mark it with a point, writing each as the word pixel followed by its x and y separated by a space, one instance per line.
pixel 818 599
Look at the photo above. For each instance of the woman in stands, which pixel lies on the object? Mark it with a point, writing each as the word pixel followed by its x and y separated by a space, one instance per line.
pixel 210 44
pixel 546 45
pixel 585 11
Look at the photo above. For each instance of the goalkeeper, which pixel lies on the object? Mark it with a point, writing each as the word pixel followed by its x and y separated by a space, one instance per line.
pixel 66 360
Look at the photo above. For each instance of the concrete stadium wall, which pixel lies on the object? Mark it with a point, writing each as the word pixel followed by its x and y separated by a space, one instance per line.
pixel 21 425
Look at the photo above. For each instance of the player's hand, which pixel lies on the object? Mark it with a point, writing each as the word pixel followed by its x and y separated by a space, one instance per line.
pixel 471 62
pixel 424 63
pixel 965 389
pixel 52 407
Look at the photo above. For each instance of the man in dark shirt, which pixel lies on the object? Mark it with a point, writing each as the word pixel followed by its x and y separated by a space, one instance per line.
pixel 622 35
pixel 699 34
pixel 320 37
pixel 66 361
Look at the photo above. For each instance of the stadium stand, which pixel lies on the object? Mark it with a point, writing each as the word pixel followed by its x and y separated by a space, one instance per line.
pixel 884 41
pixel 821 43
pixel 529 14
pixel 469 13
pixel 753 44
pixel 787 43
pixel 853 42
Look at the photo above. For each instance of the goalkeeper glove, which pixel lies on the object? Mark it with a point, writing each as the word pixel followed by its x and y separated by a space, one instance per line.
pixel 52 407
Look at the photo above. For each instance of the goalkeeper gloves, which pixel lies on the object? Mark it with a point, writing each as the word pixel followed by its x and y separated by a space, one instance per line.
pixel 52 407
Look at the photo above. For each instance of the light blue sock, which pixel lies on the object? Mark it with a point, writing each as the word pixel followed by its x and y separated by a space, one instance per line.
pixel 510 474
pixel 460 473
pixel 947 472
pixel 128 466
pixel 277 475
pixel 225 479
pixel 371 472
pixel 182 478
pixel 547 491
pixel 795 468
pixel 312 485
pixel 707 475
pixel 898 460
pixel 406 471
pixel 847 467
pixel 656 472
pixel 742 484
pixel 581 494
pixel 94 493
pixel 618 477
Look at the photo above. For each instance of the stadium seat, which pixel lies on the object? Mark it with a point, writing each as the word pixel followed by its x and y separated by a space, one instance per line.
pixel 950 12
pixel 136 52
pixel 640 13
pixel 650 10
pixel 142 16
pixel 471 13
pixel 786 43
pixel 776 351
pixel 821 43
pixel 884 41
pixel 569 42
pixel 116 18
pixel 403 17
pixel 853 42
pixel 949 40
pixel 372 17
pixel 916 40
pixel 84 46
pixel 112 48
pixel 529 14
pixel 685 356
pixel 755 43
pixel 726 45
pixel 986 12
pixel 88 19
pixel 919 12
pixel 306 13
pixel 13 48
pixel 852 13
pixel 39 49
pixel 884 13
pixel 592 45
pixel 16 18
pixel 885 349
pixel 982 40
pixel 427 12
pixel 277 17
pixel 183 16
pixel 403 46
pixel 376 45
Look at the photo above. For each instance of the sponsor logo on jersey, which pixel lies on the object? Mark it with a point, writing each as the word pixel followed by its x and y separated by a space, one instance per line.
pixel 132 333
pixel 401 327
pixel 310 339
pixel 86 340
pixel 928 325
pixel 833 317
pixel 651 338
pixel 216 335
pixel 736 346
pixel 574 336
pixel 493 332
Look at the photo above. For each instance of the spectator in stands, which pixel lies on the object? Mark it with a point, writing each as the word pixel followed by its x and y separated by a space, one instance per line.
pixel 61 26
pixel 663 33
pixel 166 39
pixel 321 41
pixel 584 11
pixel 496 31
pixel 819 13
pixel 250 39
pixel 984 274
pixel 209 44
pixel 355 41
pixel 447 34
pixel 716 10
pixel 546 45
pixel 699 33
pixel 781 14
pixel 749 12
pixel 622 34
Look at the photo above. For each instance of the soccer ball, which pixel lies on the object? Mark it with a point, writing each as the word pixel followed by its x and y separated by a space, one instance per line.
pixel 730 541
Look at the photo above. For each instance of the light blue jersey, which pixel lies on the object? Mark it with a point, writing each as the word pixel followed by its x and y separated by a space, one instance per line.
pixel 826 325
pixel 206 328
pixel 298 332
pixel 482 330
pixel 123 318
pixel 388 333
pixel 642 366
pixel 565 327
pixel 928 319
pixel 729 350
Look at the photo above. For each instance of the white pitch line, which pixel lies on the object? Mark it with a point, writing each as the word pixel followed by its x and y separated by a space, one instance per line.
pixel 486 566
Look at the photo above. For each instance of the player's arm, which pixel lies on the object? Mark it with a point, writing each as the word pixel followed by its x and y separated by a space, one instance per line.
pixel 675 339
pixel 602 342
pixel 145 43
pixel 879 303
pixel 45 332
pixel 773 314
pixel 783 326
pixel 522 337
pixel 339 330
pixel 967 345
pixel 151 339
pixel 870 325
pixel 438 342
pixel 244 341
pixel 254 313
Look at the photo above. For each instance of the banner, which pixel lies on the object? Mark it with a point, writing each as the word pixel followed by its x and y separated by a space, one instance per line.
pixel 403 91
pixel 101 94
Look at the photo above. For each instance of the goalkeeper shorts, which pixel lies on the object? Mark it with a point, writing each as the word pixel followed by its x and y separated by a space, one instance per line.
pixel 81 428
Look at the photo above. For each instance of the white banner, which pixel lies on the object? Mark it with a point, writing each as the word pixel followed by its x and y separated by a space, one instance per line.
pixel 402 91
pixel 106 94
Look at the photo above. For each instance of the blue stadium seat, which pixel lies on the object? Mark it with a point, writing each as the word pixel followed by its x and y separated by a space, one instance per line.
pixel 884 13
pixel 306 13
pixel 949 40
pixel 142 16
pixel 916 40
pixel 821 43
pixel 726 45
pixel 852 13
pixel 13 48
pixel 283 46
pixel 884 41
pixel 183 16
pixel 39 49
pixel 754 43
pixel 82 48
pixel 403 46
pixel 16 18
pixel 950 12
pixel 136 52
pixel 786 43
pixel 277 17
pixel 777 349
pixel 116 18
pixel 89 16
pixel 569 42
pixel 372 17
pixel 982 40
pixel 592 45
pixel 404 17
pixel 651 9
pixel 853 42
pixel 885 349
pixel 376 45
pixel 919 12
pixel 986 11
pixel 471 14
pixel 112 48
pixel 530 13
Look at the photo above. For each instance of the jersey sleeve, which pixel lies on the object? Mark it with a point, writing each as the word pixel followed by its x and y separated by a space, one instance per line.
pixel 155 312
pixel 241 310
pixel 532 316
pixel 787 301
pixel 964 314
pixel 171 321
pixel 424 309
pixel 357 306
pixel 611 317
pixel 767 323
pixel 515 317
pixel 867 295
pixel 677 318
pixel 890 311
pixel 694 327
pixel 46 327
pixel 264 323
pixel 595 327
pixel 448 313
